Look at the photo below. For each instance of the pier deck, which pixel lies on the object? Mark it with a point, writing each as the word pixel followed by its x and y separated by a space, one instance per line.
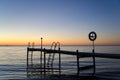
pixel 81 54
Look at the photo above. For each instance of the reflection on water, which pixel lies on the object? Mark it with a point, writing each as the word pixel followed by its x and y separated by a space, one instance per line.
pixel 13 62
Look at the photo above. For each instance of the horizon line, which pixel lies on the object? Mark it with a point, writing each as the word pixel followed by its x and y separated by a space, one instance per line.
pixel 69 45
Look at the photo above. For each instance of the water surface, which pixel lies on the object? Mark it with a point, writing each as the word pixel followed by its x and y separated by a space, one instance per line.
pixel 13 61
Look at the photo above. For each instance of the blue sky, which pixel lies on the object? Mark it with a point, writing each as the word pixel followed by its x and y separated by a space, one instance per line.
pixel 67 21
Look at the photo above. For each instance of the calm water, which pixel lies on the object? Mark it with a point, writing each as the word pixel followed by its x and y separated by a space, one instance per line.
pixel 13 62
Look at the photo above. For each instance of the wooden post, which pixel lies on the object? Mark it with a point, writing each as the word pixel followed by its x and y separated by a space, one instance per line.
pixel 28 54
pixel 77 63
pixel 94 65
pixel 32 55
pixel 41 52
pixel 44 62
pixel 59 63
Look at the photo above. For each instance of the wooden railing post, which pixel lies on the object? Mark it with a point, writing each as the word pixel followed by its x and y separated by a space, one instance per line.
pixel 44 61
pixel 28 54
pixel 32 55
pixel 41 52
pixel 59 62
pixel 77 63
pixel 94 65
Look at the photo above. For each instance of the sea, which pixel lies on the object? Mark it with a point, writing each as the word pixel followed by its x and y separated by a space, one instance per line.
pixel 13 61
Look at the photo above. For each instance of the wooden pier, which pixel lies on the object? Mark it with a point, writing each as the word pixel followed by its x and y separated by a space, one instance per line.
pixel 44 64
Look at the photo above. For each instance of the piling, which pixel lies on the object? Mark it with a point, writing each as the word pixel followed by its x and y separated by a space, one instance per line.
pixel 94 65
pixel 77 63
pixel 41 52
pixel 59 62
pixel 44 62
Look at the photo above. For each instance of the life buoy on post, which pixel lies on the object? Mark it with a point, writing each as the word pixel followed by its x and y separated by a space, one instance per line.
pixel 92 36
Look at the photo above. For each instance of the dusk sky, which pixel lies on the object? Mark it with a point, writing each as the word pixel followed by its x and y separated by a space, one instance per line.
pixel 66 21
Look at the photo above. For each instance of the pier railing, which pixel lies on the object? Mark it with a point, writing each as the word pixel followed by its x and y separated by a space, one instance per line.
pixel 44 66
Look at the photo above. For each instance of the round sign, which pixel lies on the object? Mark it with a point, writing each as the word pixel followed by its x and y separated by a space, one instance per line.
pixel 92 36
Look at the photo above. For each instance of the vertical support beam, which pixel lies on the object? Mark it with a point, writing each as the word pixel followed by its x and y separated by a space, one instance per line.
pixel 59 62
pixel 32 55
pixel 28 54
pixel 27 62
pixel 44 61
pixel 94 65
pixel 78 69
pixel 41 52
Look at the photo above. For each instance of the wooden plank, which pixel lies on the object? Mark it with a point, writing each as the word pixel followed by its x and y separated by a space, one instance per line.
pixel 81 54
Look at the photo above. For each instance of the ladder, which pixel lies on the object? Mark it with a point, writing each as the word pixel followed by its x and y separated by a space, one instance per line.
pixel 52 55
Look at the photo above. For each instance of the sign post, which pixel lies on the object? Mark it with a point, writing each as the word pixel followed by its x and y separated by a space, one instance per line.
pixel 92 36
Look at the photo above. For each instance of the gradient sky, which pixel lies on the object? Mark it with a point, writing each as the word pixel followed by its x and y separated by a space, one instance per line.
pixel 66 21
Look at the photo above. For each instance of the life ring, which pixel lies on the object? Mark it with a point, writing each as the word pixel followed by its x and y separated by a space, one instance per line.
pixel 92 36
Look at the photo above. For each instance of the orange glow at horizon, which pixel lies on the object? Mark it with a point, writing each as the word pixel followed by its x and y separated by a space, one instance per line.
pixel 49 41
pixel 63 39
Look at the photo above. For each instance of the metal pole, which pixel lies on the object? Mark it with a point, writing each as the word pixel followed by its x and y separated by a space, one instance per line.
pixel 92 36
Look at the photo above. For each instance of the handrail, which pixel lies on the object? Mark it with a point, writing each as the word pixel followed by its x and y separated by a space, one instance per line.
pixel 56 44
pixel 52 55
